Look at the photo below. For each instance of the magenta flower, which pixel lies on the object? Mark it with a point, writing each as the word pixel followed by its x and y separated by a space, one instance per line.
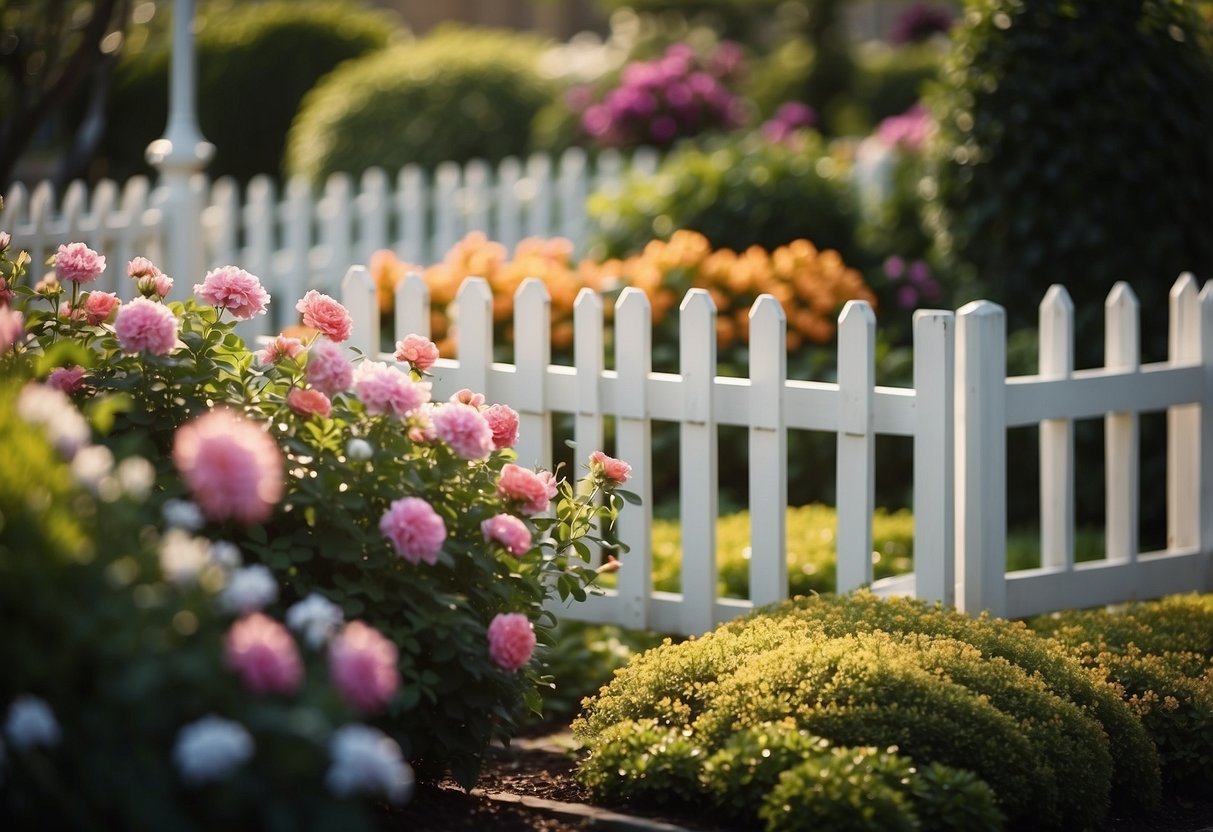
pixel 12 328
pixel 532 491
pixel 323 313
pixel 463 428
pixel 328 370
pixel 263 654
pixel 232 467
pixel 99 306
pixel 509 531
pixel 608 468
pixel 146 326
pixel 385 389
pixel 362 667
pixel 417 350
pixel 235 290
pixel 503 421
pixel 78 263
pixel 309 402
pixel 416 531
pixel 280 346
pixel 67 379
pixel 511 640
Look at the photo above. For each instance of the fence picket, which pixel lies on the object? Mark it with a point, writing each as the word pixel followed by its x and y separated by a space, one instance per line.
pixel 297 240
pixel 588 358
pixel 574 188
pixel 768 445
pixel 507 207
pixel 1057 435
pixel 532 354
pixel 373 202
pixel 411 206
pixel 412 306
pixel 221 221
pixel 856 444
pixel 1205 508
pixel 934 465
pixel 475 201
pixel 633 443
pixel 257 256
pixel 335 220
pixel 1121 352
pixel 698 460
pixel 473 324
pixel 539 195
pixel 1183 422
pixel 359 297
pixel 446 209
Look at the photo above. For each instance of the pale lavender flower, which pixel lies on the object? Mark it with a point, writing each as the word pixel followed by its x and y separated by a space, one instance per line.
pixel 368 761
pixel 210 749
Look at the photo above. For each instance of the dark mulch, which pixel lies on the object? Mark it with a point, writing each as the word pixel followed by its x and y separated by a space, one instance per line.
pixel 541 769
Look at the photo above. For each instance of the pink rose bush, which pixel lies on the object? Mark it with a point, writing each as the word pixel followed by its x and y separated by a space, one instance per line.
pixel 334 484
pixel 77 263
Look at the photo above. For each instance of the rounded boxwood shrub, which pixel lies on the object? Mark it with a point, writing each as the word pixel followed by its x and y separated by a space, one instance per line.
pixel 1074 145
pixel 456 95
pixel 937 699
pixel 255 63
pixel 737 192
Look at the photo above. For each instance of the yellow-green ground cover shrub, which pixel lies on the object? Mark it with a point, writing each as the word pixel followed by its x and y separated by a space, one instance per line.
pixel 938 699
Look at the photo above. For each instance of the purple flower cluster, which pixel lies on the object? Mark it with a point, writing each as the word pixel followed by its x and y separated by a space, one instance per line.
pixel 919 21
pixel 660 101
pixel 790 117
pixel 913 280
pixel 908 131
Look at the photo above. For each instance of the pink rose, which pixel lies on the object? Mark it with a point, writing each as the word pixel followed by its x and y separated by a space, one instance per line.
pixel 12 328
pixel 325 314
pixel 509 531
pixel 503 421
pixel 145 326
pixel 141 267
pixel 532 491
pixel 384 389
pixel 99 306
pixel 6 292
pixel 309 402
pixel 417 350
pixel 78 263
pixel 263 654
pixel 613 470
pixel 280 346
pixel 235 290
pixel 463 428
pixel 362 667
pixel 466 396
pixel 511 640
pixel 232 467
pixel 415 530
pixel 67 379
pixel 157 285
pixel 328 370
pixel 70 313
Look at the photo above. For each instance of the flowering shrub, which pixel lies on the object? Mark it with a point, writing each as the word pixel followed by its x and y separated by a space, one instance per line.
pixel 352 494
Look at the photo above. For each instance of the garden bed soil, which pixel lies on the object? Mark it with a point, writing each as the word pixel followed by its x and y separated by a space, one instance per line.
pixel 530 786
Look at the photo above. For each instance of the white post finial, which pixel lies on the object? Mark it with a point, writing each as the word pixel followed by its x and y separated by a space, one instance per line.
pixel 181 153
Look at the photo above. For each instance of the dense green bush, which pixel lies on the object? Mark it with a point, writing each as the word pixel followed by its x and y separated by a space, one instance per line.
pixel 1074 149
pixel 737 192
pixel 255 63
pixel 936 698
pixel 458 94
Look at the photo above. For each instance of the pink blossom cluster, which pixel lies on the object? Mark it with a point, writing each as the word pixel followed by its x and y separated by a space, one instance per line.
pixel 363 667
pixel 328 370
pixel 262 653
pixel 511 640
pixel 232 467
pixel 415 530
pixel 281 346
pixel 6 292
pixel 509 531
pixel 149 280
pixel 12 328
pixel 503 421
pixel 418 351
pixel 146 326
pixel 309 402
pixel 99 307
pixel 323 313
pixel 67 379
pixel 463 428
pixel 78 263
pixel 532 491
pixel 235 290
pixel 608 469
pixel 384 389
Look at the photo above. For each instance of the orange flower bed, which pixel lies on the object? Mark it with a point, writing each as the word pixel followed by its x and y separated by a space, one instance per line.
pixel 811 285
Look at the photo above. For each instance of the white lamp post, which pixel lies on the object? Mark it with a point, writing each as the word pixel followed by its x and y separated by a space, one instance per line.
pixel 181 155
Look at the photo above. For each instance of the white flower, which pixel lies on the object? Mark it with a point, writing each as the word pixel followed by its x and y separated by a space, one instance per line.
pixel 30 723
pixel 136 476
pixel 366 760
pixel 249 589
pixel 316 617
pixel 92 466
pixel 225 554
pixel 183 556
pixel 358 450
pixel 182 514
pixel 210 748
pixel 54 411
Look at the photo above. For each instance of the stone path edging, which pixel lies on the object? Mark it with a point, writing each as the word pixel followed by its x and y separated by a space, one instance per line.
pixel 599 818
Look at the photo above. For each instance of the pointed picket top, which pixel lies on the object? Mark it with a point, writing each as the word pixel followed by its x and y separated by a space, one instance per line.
pixel 856 319
pixel 16 199
pixel 632 304
pixel 359 295
pixel 1183 331
pixel 588 299
pixel 43 196
pixel 766 311
pixel 768 361
pixel 531 292
pixel 137 188
pixel 412 306
pixel 374 179
pixel 105 195
pixel 75 199
pixel 1056 333
pixel 697 302
pixel 1122 330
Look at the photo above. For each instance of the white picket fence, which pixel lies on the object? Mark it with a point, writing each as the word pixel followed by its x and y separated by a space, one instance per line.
pixel 957 414
pixel 301 238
